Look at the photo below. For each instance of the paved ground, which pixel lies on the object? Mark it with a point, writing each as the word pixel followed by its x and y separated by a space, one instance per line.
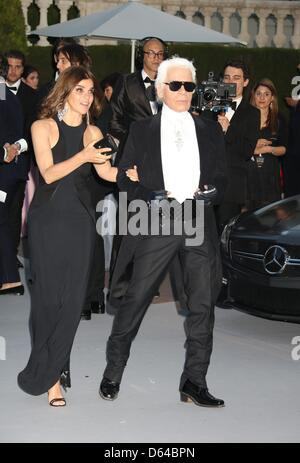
pixel 252 370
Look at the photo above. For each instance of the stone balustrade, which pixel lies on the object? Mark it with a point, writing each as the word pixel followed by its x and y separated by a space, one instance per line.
pixel 257 22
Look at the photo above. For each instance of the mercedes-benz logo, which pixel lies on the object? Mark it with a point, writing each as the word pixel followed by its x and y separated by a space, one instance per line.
pixel 275 260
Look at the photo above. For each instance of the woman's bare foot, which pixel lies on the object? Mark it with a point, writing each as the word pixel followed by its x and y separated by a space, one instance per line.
pixel 10 285
pixel 55 397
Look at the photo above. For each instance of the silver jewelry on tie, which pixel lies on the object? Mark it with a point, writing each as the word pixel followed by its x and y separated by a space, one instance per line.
pixel 178 137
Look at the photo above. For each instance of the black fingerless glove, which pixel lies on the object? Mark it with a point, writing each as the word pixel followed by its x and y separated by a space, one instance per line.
pixel 207 193
pixel 158 195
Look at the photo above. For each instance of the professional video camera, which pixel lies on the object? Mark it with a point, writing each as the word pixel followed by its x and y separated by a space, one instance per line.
pixel 213 95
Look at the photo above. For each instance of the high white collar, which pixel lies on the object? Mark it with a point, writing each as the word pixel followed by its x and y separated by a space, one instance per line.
pixel 176 116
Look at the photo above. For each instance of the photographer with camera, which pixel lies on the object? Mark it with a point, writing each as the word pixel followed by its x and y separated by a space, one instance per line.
pixel 241 131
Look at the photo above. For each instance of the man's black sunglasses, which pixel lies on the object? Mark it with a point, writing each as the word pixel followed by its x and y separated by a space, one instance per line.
pixel 175 85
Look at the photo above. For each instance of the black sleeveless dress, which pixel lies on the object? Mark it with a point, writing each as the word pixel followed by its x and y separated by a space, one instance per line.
pixel 61 231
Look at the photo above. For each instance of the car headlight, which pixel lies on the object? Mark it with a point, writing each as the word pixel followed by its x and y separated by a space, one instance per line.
pixel 226 234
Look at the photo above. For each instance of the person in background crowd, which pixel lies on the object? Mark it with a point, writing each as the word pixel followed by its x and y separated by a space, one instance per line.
pixel 263 172
pixel 46 88
pixel 31 76
pixel 95 299
pixel 13 170
pixel 291 161
pixel 241 131
pixel 108 85
pixel 131 100
pixel 28 98
pixel 72 55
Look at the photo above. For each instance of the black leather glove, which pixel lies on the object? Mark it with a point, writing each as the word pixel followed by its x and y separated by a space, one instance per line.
pixel 156 201
pixel 207 194
pixel 158 195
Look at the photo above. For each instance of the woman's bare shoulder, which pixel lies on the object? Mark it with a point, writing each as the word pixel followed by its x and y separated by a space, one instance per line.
pixel 44 124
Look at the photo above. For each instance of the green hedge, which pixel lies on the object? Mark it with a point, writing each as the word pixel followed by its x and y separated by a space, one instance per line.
pixel 280 65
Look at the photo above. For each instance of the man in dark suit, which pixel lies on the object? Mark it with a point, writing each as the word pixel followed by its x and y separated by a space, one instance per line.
pixel 131 97
pixel 28 99
pixel 177 153
pixel 13 170
pixel 241 131
pixel 133 100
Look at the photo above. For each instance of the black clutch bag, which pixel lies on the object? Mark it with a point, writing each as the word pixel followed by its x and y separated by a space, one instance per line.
pixel 107 142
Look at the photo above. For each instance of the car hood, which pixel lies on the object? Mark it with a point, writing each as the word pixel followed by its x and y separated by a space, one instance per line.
pixel 280 220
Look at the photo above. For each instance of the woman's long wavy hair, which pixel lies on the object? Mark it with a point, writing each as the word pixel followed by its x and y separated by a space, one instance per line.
pixel 272 120
pixel 66 82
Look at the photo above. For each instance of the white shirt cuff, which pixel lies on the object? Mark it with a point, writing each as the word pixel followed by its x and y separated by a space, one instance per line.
pixel 23 144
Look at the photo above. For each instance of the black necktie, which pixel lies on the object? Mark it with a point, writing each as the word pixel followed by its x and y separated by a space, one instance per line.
pixel 12 88
pixel 147 80
pixel 233 105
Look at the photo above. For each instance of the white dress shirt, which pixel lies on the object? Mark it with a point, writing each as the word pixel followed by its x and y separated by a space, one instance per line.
pixel 153 104
pixel 230 112
pixel 179 153
pixel 16 85
pixel 22 142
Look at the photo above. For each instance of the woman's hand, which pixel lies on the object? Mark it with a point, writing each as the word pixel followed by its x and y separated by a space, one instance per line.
pixel 262 146
pixel 133 174
pixel 95 155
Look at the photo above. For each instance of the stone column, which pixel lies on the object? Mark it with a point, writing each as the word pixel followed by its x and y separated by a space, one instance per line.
pixel 295 39
pixel 207 13
pixel 226 13
pixel 244 34
pixel 43 6
pixel 280 37
pixel 25 4
pixel 189 13
pixel 262 36
pixel 64 5
pixel 172 9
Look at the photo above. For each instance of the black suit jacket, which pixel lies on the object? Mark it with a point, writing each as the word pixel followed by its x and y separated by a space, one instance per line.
pixel 129 103
pixel 143 149
pixel 240 142
pixel 11 130
pixel 28 98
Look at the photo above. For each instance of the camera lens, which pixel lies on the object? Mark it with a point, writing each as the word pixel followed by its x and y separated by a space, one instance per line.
pixel 209 94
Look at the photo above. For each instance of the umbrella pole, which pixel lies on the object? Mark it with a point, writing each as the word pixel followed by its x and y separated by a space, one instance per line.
pixel 132 54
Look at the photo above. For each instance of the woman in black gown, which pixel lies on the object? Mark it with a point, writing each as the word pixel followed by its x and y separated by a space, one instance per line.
pixel 61 228
pixel 263 179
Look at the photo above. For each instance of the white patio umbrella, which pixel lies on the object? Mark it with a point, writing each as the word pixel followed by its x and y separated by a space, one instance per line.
pixel 134 21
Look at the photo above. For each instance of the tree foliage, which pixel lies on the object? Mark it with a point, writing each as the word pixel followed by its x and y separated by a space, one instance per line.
pixel 12 26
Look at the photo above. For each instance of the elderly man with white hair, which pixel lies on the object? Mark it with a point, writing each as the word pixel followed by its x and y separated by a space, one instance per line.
pixel 178 157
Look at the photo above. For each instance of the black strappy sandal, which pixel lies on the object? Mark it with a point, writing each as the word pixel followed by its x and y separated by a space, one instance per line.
pixel 54 401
